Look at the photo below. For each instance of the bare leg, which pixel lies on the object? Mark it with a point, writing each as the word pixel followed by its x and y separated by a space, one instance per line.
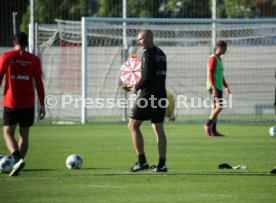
pixel 8 134
pixel 23 141
pixel 158 129
pixel 137 137
pixel 214 117
pixel 215 111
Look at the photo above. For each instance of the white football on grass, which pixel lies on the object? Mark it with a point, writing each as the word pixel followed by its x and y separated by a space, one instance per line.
pixel 6 164
pixel 272 131
pixel 74 161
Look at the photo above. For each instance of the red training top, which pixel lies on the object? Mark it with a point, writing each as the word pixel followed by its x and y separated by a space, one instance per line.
pixel 23 72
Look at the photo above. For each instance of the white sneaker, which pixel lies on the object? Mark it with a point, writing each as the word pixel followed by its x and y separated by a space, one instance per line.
pixel 160 169
pixel 138 167
pixel 17 167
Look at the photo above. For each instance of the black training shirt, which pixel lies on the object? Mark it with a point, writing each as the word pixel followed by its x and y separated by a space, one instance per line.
pixel 153 77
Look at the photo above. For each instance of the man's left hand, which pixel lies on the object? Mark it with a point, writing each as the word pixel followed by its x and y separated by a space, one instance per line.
pixel 133 90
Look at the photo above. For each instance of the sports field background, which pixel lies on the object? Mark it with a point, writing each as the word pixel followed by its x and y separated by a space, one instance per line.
pixel 249 72
pixel 107 151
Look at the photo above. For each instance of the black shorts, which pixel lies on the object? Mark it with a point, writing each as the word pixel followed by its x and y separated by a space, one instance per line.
pixel 219 98
pixel 25 117
pixel 144 110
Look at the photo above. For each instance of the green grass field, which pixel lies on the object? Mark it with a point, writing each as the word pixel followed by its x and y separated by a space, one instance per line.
pixel 107 151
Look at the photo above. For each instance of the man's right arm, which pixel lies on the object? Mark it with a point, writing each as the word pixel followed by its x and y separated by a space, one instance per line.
pixel 212 67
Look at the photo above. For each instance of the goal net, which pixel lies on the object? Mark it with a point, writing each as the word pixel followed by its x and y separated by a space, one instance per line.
pixel 81 61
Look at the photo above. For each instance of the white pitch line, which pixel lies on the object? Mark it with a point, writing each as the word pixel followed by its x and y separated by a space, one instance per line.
pixel 105 186
pixel 209 194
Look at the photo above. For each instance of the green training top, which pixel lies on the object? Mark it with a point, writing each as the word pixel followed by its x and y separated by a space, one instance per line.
pixel 218 74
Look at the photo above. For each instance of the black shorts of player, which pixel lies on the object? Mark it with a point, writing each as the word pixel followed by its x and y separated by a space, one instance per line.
pixel 143 110
pixel 219 98
pixel 25 117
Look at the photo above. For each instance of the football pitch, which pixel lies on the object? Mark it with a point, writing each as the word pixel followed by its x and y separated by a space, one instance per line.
pixel 107 153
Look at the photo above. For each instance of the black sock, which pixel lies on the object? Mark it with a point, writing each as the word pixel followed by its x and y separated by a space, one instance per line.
pixel 142 158
pixel 214 127
pixel 16 155
pixel 209 122
pixel 162 161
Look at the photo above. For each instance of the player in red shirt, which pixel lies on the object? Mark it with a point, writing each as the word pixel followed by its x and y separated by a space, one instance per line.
pixel 23 73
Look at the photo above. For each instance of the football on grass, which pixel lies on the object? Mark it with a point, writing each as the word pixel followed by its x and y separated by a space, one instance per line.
pixel 74 161
pixel 6 164
pixel 272 131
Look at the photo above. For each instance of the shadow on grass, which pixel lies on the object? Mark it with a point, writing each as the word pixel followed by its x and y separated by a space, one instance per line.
pixel 147 173
pixel 48 169
pixel 39 169
pixel 150 173
pixel 95 168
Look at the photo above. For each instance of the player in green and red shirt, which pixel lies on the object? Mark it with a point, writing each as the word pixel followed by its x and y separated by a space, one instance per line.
pixel 215 84
pixel 23 72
